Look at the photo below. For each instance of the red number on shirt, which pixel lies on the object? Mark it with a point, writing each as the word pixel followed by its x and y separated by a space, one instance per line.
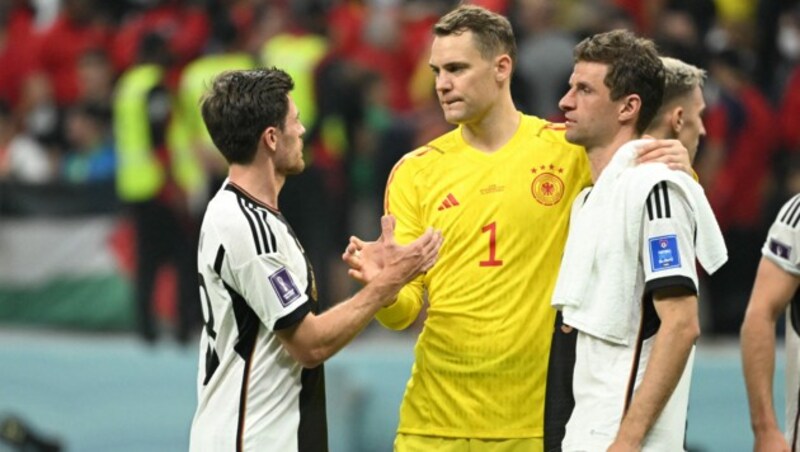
pixel 491 228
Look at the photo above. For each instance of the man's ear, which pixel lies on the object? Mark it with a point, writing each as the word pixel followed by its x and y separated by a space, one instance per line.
pixel 503 67
pixel 630 107
pixel 270 138
pixel 676 119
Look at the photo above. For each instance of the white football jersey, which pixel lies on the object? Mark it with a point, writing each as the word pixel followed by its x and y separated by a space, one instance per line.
pixel 606 375
pixel 782 247
pixel 254 279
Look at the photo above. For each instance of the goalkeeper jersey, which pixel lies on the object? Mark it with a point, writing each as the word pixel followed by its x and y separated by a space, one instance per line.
pixel 481 359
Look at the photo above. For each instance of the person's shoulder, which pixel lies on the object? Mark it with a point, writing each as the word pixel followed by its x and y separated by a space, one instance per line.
pixel 425 155
pixel 789 214
pixel 551 132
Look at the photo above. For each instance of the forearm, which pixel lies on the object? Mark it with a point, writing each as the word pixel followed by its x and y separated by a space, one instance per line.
pixel 317 338
pixel 758 360
pixel 406 308
pixel 671 349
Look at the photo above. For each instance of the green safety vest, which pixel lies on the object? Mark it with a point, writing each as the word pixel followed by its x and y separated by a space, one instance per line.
pixel 140 175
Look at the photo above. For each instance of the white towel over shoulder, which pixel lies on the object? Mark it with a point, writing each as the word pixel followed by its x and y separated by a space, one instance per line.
pixel 598 271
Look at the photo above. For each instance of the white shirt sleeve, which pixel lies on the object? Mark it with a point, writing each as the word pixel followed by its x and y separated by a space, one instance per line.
pixel 783 239
pixel 668 240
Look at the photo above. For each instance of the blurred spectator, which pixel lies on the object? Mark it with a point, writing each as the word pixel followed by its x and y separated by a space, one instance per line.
pixel 307 200
pixel 156 179
pixel 734 168
pixel 298 49
pixel 225 53
pixel 96 77
pixel 77 29
pixel 90 155
pixel 21 157
pixel 678 35
pixel 183 24
pixel 17 47
pixel 545 57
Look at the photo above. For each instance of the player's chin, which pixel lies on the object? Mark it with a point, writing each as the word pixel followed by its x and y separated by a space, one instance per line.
pixel 297 168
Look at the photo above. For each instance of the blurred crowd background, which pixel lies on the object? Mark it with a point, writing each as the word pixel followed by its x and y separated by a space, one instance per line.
pixel 103 182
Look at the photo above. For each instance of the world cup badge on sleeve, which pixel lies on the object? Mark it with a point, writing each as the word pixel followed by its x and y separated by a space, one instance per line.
pixel 284 286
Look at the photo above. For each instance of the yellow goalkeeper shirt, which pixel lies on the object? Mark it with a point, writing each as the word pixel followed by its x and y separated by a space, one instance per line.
pixel 481 359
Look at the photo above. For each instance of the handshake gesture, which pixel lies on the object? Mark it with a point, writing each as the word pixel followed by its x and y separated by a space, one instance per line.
pixel 386 263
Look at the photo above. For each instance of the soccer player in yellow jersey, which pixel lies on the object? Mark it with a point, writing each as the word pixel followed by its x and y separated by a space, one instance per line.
pixel 500 187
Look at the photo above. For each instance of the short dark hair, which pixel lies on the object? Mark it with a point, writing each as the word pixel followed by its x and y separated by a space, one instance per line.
pixel 492 32
pixel 240 105
pixel 633 68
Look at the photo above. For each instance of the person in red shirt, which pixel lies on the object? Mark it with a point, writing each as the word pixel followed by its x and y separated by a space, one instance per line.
pixel 735 170
pixel 77 29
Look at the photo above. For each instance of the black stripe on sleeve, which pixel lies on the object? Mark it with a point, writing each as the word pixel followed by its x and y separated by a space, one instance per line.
pixel 218 260
pixel 252 225
pixel 792 208
pixel 665 194
pixel 260 222
pixel 792 218
pixel 659 197
pixel 272 243
pixel 796 220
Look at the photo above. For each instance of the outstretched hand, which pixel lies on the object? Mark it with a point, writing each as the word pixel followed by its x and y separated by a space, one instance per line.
pixel 367 259
pixel 669 152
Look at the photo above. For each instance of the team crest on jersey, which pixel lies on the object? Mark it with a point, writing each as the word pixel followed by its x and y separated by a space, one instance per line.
pixel 664 253
pixel 547 187
pixel 284 286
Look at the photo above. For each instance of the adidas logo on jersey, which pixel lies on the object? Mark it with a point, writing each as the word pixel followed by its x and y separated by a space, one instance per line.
pixel 449 201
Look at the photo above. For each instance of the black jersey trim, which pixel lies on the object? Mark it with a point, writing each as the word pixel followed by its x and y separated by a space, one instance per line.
pixel 218 260
pixel 637 357
pixel 293 317
pixel 273 244
pixel 559 398
pixel 243 400
pixel 790 216
pixel 256 214
pixel 312 432
pixel 658 205
pixel 252 224
pixel 670 281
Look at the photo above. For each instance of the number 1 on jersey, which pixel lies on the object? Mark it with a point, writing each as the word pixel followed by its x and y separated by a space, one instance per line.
pixel 491 228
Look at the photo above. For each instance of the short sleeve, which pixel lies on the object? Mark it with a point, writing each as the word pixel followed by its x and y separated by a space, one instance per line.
pixel 274 291
pixel 668 250
pixel 783 239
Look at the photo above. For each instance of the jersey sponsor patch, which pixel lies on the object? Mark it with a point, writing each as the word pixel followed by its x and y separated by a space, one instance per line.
pixel 284 286
pixel 780 249
pixel 664 253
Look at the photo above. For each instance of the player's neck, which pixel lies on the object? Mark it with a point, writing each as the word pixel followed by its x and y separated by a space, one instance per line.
pixel 263 185
pixel 492 131
pixel 599 156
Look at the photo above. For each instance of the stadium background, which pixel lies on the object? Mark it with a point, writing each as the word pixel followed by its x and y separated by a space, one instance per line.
pixel 74 365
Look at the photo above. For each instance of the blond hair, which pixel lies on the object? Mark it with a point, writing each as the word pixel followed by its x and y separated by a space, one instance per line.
pixel 680 78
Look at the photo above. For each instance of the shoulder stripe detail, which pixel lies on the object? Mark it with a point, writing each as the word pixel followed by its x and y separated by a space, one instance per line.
pixel 665 195
pixel 790 216
pixel 658 205
pixel 272 242
pixel 259 227
pixel 218 261
pixel 251 222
